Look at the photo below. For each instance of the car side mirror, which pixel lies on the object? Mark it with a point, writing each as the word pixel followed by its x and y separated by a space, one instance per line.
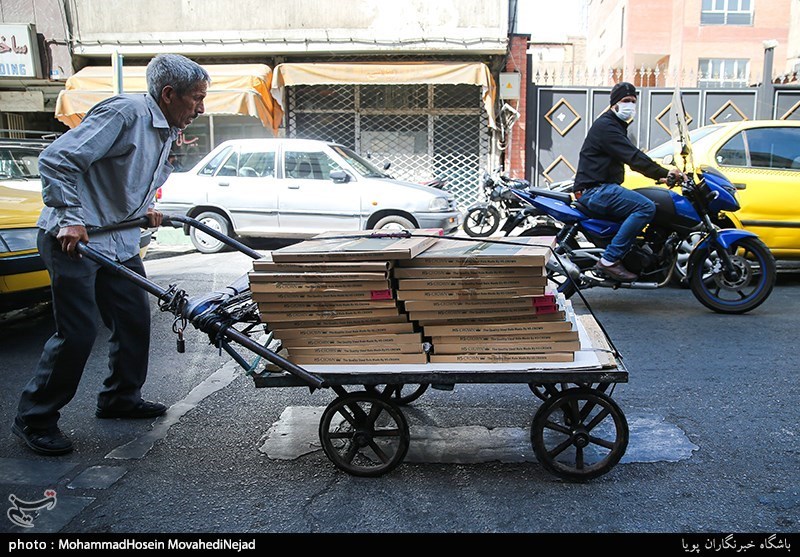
pixel 340 177
pixel 669 160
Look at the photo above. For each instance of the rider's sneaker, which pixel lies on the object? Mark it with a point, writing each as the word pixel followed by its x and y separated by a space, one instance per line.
pixel 616 271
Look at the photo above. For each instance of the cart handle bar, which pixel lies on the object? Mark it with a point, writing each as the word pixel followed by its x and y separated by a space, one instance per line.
pixel 176 221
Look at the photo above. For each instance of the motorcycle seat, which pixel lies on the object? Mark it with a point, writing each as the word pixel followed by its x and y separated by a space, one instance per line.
pixel 560 196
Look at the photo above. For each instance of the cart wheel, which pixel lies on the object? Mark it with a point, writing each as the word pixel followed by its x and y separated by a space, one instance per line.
pixel 399 393
pixel 579 434
pixel 364 434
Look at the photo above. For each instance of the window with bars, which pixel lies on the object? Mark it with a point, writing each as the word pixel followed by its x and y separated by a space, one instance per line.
pixel 726 12
pixel 723 72
pixel 422 131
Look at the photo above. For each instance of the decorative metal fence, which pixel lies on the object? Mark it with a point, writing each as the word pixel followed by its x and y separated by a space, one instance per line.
pixel 559 118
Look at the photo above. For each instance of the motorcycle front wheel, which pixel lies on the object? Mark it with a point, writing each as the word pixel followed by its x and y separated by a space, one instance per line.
pixel 745 288
pixel 481 222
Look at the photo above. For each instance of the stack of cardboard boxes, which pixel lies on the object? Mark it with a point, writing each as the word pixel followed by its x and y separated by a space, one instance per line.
pixel 358 299
pixel 487 302
pixel 332 300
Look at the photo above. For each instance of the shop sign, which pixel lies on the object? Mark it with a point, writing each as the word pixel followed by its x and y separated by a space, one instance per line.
pixel 19 52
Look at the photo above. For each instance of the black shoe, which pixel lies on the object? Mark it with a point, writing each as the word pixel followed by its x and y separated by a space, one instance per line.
pixel 145 409
pixel 617 271
pixel 47 441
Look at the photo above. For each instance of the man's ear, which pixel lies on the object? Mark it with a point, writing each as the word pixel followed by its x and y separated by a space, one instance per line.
pixel 167 94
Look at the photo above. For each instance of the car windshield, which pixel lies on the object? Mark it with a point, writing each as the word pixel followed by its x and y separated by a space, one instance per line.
pixel 19 163
pixel 359 164
pixel 695 136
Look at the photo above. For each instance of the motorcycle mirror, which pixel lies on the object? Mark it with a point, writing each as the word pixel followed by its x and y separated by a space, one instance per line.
pixel 386 165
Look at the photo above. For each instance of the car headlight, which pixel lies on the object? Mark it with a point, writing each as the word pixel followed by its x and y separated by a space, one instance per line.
pixel 439 204
pixel 18 239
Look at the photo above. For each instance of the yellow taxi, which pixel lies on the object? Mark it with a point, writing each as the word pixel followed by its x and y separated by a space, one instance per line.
pixel 762 159
pixel 24 281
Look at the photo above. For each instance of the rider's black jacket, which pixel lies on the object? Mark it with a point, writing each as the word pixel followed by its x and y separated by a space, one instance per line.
pixel 606 150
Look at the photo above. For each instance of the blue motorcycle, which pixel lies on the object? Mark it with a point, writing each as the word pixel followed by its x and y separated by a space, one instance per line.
pixel 729 270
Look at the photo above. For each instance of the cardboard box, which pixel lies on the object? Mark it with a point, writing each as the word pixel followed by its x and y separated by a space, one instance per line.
pixel 485 314
pixel 461 272
pixel 477 283
pixel 326 296
pixel 521 302
pixel 270 266
pixel 316 277
pixel 303 287
pixel 334 340
pixel 507 339
pixel 356 350
pixel 283 307
pixel 285 333
pixel 270 317
pixel 522 347
pixel 345 359
pixel 469 294
pixel 337 321
pixel 556 316
pixel 484 329
pixel 533 251
pixel 366 245
pixel 502 358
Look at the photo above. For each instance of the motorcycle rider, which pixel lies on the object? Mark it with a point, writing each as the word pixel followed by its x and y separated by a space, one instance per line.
pixel 601 172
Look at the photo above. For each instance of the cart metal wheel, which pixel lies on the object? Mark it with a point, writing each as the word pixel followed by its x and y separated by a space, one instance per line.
pixel 399 393
pixel 364 434
pixel 579 434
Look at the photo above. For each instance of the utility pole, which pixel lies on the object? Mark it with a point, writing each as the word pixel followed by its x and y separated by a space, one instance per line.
pixel 766 92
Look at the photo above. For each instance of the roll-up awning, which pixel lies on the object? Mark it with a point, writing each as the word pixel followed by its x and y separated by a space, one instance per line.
pixel 235 89
pixel 378 73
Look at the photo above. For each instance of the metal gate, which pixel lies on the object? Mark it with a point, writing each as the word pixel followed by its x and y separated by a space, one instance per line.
pixel 424 131
pixel 561 117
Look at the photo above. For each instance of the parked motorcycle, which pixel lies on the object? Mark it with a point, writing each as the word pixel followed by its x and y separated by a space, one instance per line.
pixel 728 270
pixel 483 219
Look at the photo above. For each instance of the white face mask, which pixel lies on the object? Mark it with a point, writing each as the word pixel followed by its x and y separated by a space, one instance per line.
pixel 626 111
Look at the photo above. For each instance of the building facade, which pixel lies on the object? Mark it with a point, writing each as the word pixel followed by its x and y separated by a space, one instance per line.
pixel 705 43
pixel 410 83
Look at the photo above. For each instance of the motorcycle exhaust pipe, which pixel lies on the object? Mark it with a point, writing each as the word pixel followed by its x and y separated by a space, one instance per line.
pixel 562 264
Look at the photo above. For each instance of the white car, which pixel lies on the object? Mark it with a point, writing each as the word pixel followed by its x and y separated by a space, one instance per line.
pixel 297 188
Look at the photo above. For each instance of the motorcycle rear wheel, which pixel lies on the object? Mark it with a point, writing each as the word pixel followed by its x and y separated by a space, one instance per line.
pixel 755 276
pixel 481 222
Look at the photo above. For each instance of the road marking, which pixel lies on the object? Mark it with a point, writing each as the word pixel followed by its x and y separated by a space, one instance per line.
pixel 140 446
pixel 652 439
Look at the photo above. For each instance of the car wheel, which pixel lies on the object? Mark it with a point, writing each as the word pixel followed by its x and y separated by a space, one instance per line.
pixel 394 222
pixel 205 243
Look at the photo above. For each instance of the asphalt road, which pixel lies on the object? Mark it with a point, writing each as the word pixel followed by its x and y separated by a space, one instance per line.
pixel 712 402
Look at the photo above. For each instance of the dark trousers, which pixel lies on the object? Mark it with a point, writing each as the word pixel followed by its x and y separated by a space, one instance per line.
pixel 79 286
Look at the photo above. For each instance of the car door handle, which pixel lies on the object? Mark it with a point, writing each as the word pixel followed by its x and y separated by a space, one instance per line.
pixel 225 184
pixel 294 186
pixel 740 186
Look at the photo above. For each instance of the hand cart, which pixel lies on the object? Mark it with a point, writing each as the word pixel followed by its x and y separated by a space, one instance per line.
pixel 578 433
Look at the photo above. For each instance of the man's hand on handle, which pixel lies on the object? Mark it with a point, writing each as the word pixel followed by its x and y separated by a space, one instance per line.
pixel 674 178
pixel 69 236
pixel 155 217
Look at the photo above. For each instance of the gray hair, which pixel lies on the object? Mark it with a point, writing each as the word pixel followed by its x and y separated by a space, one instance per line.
pixel 175 70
